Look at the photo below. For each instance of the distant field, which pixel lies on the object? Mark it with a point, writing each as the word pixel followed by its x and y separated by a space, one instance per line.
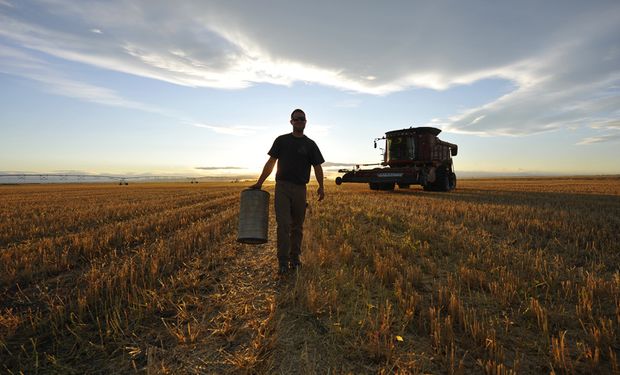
pixel 497 277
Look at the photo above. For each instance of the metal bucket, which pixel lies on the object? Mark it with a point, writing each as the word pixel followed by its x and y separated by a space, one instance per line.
pixel 253 216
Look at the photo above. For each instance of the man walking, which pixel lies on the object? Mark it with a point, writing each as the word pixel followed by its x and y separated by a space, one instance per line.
pixel 295 153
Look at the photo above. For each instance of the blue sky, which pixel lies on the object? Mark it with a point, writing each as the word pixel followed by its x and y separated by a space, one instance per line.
pixel 203 87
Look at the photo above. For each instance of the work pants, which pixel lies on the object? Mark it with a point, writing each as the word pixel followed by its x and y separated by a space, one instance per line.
pixel 290 207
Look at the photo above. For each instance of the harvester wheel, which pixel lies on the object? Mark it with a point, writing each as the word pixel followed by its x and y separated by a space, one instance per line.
pixel 374 185
pixel 338 180
pixel 403 186
pixel 387 186
pixel 442 183
pixel 452 181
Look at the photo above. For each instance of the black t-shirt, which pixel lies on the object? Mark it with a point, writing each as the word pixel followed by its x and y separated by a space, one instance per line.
pixel 295 156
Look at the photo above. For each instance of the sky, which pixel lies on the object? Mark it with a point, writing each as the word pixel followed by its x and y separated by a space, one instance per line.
pixel 204 87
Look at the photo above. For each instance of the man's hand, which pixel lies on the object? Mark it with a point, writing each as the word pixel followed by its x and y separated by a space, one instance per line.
pixel 318 173
pixel 256 186
pixel 321 193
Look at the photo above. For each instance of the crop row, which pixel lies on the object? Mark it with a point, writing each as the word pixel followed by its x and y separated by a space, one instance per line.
pixel 504 287
pixel 113 286
pixel 51 255
pixel 37 215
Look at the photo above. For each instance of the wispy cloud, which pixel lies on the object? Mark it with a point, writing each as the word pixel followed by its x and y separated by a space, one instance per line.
pixel 238 130
pixel 600 139
pixel 562 57
pixel 91 93
pixel 23 64
pixel 606 124
pixel 318 130
pixel 219 168
pixel 333 166
pixel 337 164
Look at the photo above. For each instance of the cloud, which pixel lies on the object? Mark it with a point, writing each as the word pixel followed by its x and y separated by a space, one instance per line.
pixel 91 93
pixel 600 139
pixel 219 168
pixel 606 124
pixel 24 64
pixel 574 88
pixel 237 130
pixel 562 56
pixel 318 130
pixel 337 164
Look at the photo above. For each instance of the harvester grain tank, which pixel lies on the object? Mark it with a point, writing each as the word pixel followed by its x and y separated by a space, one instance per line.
pixel 413 156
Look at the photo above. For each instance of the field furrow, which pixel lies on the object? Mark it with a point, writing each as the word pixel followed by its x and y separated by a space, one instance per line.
pixel 497 277
pixel 90 303
pixel 50 256
pixel 481 284
pixel 20 222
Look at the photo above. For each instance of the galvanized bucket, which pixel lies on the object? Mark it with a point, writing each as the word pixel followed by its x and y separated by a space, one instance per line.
pixel 253 216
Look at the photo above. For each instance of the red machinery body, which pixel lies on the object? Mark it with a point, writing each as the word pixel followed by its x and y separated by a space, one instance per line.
pixel 413 156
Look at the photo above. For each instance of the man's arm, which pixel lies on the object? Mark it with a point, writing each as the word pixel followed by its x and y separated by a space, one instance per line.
pixel 267 169
pixel 318 173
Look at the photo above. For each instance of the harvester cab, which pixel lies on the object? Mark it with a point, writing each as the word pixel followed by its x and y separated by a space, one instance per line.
pixel 413 156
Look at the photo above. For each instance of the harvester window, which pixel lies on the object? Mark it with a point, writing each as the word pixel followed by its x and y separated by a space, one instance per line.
pixel 401 148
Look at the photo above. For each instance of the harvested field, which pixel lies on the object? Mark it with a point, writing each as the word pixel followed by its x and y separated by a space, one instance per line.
pixel 497 277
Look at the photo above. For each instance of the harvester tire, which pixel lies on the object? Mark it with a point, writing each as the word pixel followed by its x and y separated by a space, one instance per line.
pixel 403 186
pixel 338 180
pixel 374 186
pixel 452 181
pixel 442 182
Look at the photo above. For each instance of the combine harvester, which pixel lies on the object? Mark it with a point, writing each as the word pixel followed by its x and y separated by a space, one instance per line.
pixel 413 156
